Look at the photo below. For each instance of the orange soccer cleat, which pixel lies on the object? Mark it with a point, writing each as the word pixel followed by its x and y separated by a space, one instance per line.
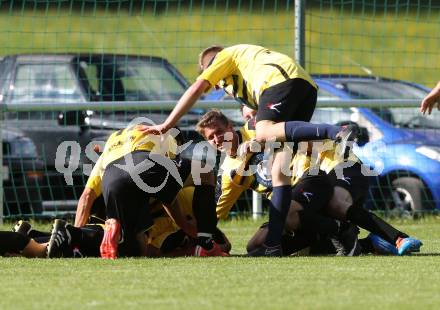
pixel 215 251
pixel 109 244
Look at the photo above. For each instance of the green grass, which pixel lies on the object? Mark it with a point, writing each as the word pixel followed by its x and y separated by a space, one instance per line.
pixel 230 283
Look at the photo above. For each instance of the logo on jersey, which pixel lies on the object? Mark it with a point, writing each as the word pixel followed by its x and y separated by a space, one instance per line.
pixel 274 106
pixel 346 179
pixel 308 195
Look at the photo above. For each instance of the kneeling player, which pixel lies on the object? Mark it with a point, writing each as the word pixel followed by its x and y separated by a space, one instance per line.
pixel 132 169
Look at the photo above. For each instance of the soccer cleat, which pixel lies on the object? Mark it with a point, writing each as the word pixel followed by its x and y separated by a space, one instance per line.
pixel 408 245
pixel 110 241
pixel 215 251
pixel 22 227
pixel 59 243
pixel 346 241
pixel 345 139
pixel 381 246
pixel 264 250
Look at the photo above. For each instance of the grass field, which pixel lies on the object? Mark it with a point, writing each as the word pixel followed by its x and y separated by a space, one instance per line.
pixel 233 282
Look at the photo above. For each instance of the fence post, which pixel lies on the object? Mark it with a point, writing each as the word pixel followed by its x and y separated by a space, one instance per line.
pixel 300 32
pixel 257 205
pixel 1 163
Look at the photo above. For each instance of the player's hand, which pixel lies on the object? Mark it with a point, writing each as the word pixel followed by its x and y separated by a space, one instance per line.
pixel 432 99
pixel 429 103
pixel 251 146
pixel 155 130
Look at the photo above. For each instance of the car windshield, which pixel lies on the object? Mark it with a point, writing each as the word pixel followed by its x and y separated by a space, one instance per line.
pixel 35 82
pixel 380 89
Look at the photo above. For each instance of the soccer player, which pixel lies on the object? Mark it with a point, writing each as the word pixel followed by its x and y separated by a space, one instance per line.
pixel 310 194
pixel 133 168
pixel 432 99
pixel 346 203
pixel 284 96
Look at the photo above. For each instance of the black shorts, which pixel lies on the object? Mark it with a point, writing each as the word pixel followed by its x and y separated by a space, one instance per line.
pixel 354 182
pixel 292 100
pixel 12 242
pixel 126 198
pixel 313 192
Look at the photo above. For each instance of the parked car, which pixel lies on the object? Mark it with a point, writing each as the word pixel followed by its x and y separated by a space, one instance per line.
pixel 405 143
pixel 402 141
pixel 22 175
pixel 79 78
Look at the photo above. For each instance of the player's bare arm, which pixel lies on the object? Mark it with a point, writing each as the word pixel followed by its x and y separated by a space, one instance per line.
pixel 84 206
pixel 188 99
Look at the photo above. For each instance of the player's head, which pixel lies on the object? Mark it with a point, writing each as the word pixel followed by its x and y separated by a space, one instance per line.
pixel 206 57
pixel 215 127
pixel 248 113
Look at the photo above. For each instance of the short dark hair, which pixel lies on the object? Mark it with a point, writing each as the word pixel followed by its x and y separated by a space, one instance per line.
pixel 209 119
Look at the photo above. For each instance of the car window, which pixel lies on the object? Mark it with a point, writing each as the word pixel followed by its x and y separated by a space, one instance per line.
pixel 326 95
pixel 331 115
pixel 408 118
pixel 380 89
pixel 129 79
pixel 44 82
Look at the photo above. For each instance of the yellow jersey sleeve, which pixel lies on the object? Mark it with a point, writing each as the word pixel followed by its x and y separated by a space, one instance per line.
pixel 222 67
pixel 245 71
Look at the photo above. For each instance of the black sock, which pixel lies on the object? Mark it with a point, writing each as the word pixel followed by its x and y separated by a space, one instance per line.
pixel 278 209
pixel 369 221
pixel 366 245
pixel 312 222
pixel 86 239
pixel 37 234
pixel 294 243
pixel 12 242
pixel 204 208
pixel 204 212
pixel 304 131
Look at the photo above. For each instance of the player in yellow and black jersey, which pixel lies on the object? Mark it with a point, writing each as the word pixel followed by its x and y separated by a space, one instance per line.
pixel 346 203
pixel 133 168
pixel 284 96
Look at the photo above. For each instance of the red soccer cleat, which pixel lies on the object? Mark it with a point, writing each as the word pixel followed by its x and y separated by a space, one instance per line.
pixel 215 251
pixel 109 244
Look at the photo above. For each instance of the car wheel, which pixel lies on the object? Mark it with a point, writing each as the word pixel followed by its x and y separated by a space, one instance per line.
pixel 409 197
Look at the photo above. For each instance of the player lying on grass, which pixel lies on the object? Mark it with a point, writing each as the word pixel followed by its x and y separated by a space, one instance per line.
pixel 133 168
pixel 164 238
pixel 283 94
pixel 345 204
pixel 299 243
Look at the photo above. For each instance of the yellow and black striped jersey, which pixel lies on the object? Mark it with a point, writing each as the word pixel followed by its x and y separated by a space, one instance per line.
pixel 125 141
pixel 232 182
pixel 245 71
pixel 327 159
